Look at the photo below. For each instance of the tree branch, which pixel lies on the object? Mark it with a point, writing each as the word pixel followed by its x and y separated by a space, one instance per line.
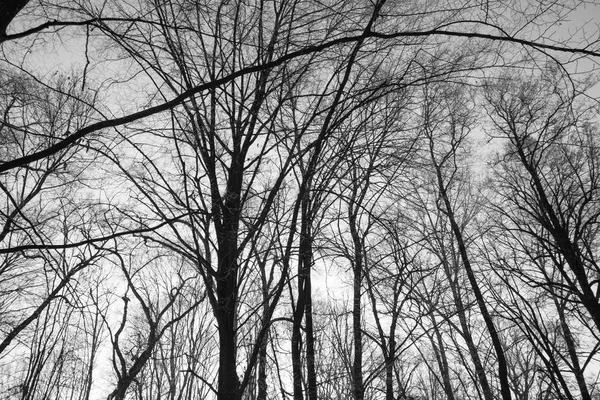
pixel 111 123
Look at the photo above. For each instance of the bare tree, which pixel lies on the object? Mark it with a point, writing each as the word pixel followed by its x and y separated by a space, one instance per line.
pixel 233 138
pixel 555 206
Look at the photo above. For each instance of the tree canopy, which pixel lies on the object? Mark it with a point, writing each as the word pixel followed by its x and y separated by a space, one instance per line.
pixel 250 199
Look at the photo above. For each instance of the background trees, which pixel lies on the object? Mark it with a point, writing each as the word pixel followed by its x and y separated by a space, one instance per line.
pixel 175 194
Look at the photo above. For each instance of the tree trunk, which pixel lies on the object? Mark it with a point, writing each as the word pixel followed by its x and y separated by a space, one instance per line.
pixel 357 266
pixel 442 360
pixel 552 222
pixel 228 379
pixel 389 370
pixel 311 373
pixel 570 342
pixel 466 333
pixel 502 368
pixel 304 308
pixel 262 352
pixel 227 285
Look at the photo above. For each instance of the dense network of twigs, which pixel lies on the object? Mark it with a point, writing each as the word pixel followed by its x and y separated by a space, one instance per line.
pixel 290 199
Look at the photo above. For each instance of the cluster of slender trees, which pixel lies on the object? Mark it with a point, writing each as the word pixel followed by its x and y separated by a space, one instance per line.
pixel 298 199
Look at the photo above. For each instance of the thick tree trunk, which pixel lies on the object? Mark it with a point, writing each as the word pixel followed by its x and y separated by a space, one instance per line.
pixel 228 379
pixel 389 370
pixel 227 285
pixel 357 265
pixel 228 382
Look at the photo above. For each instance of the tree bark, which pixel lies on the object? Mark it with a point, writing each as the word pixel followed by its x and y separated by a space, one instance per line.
pixel 227 283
